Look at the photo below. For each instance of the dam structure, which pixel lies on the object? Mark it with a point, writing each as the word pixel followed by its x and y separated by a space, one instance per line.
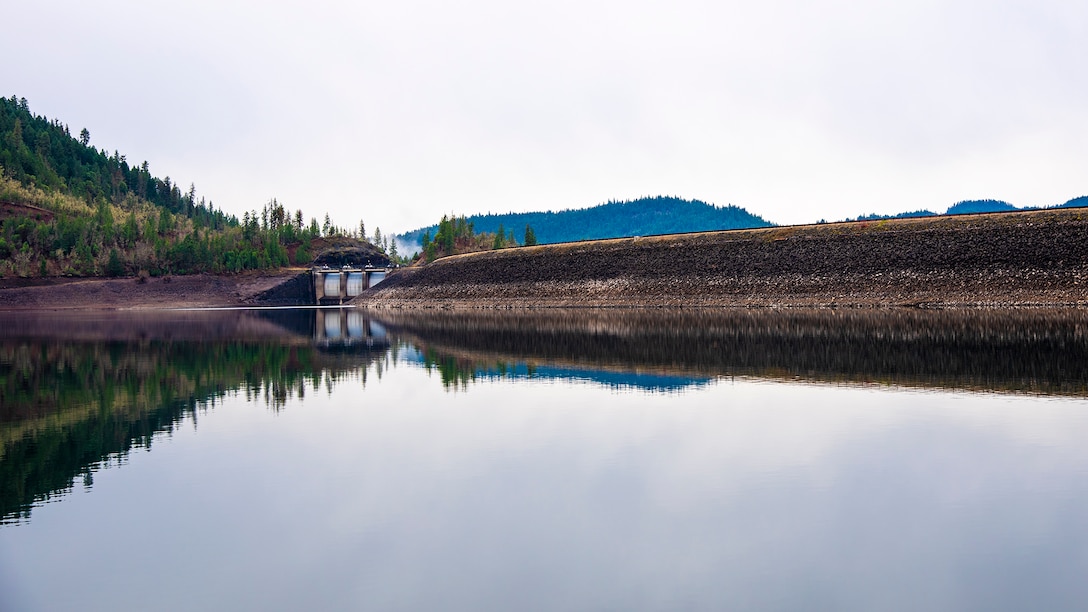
pixel 336 285
pixel 348 330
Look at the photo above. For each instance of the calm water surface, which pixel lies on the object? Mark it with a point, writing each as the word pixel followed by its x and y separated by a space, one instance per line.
pixel 331 460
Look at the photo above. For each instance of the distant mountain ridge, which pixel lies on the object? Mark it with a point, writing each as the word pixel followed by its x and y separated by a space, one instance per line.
pixel 615 219
pixel 974 207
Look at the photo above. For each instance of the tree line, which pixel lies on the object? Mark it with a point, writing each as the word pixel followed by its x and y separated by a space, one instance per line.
pixel 138 238
pixel 104 216
pixel 42 153
pixel 454 235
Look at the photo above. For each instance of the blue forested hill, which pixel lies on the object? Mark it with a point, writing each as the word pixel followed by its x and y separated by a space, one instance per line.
pixel 970 207
pixel 1082 201
pixel 642 217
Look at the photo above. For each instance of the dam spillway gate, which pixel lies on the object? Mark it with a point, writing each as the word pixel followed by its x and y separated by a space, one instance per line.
pixel 335 285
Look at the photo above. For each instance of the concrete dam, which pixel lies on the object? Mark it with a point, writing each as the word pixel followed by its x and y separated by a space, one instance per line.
pixel 337 285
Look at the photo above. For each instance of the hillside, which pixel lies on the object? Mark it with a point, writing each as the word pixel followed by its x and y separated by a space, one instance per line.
pixel 69 209
pixel 974 207
pixel 642 217
pixel 41 153
pixel 1012 259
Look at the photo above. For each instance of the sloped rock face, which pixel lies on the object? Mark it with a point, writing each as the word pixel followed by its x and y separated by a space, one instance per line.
pixel 1029 258
pixel 294 291
pixel 358 256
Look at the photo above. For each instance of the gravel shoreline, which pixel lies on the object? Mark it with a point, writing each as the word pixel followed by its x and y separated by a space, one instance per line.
pixel 1023 259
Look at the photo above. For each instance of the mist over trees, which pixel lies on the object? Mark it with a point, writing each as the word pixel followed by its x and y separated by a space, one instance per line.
pixel 454 235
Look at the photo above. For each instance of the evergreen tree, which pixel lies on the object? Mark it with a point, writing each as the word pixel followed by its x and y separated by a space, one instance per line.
pixel 115 267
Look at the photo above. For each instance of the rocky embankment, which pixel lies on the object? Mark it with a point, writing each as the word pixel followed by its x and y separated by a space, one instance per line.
pixel 1035 258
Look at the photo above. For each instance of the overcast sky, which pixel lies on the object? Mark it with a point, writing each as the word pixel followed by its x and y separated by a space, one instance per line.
pixel 396 112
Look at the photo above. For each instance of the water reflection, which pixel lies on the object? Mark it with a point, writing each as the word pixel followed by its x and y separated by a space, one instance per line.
pixel 332 329
pixel 457 371
pixel 347 328
pixel 1032 351
pixel 652 482
pixel 77 390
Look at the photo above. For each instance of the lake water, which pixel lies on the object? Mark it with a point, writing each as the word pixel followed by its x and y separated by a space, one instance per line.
pixel 747 460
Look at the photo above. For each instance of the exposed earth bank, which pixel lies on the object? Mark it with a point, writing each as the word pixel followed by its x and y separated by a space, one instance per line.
pixel 199 290
pixel 1037 258
pixel 1000 260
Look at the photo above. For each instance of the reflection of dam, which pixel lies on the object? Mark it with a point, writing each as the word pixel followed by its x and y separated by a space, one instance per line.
pixel 334 285
pixel 348 328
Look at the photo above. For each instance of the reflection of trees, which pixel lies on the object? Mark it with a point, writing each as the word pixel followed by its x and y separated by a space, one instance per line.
pixel 65 407
pixel 1037 351
pixel 457 373
pixel 457 370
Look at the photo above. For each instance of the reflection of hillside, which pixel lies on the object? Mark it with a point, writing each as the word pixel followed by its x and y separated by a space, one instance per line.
pixel 1031 351
pixel 143 326
pixel 459 368
pixel 65 406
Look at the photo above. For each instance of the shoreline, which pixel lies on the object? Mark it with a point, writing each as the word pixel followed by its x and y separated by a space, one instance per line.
pixel 1036 259
pixel 129 293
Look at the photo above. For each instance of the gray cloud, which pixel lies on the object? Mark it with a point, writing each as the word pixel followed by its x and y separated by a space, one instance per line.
pixel 399 112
